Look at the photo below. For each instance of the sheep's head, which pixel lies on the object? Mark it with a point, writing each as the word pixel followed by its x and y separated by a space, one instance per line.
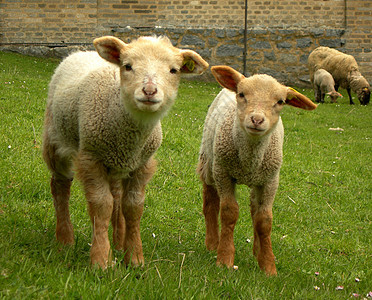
pixel 361 86
pixel 260 98
pixel 364 95
pixel 334 95
pixel 150 70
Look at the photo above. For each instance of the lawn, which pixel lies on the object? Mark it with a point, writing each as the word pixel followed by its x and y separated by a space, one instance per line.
pixel 322 223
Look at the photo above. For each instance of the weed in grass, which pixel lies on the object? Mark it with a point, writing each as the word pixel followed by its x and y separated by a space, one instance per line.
pixel 322 212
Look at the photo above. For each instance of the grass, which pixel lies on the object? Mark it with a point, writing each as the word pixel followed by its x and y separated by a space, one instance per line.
pixel 322 211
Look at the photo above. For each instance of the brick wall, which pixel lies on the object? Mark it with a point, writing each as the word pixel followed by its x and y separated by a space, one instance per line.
pixel 281 32
pixel 359 34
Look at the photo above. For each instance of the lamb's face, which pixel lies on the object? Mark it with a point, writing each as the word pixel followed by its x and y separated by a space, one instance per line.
pixel 259 101
pixel 150 74
pixel 150 70
pixel 333 96
pixel 260 98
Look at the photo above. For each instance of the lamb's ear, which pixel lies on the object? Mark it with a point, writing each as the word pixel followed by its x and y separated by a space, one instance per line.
pixel 227 77
pixel 109 48
pixel 193 63
pixel 296 99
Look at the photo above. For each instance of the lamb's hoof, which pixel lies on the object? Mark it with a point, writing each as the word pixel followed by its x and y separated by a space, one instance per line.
pixel 135 262
pixel 271 271
pixel 100 263
pixel 65 236
pixel 211 244
pixel 227 261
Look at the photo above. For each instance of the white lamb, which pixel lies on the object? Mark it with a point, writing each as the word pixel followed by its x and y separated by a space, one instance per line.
pixel 324 84
pixel 103 117
pixel 242 144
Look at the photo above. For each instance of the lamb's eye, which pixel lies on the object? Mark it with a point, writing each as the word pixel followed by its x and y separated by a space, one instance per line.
pixel 128 67
pixel 241 95
pixel 173 71
pixel 281 102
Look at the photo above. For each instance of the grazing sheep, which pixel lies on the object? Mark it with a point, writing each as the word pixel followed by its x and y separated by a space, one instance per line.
pixel 103 116
pixel 324 84
pixel 343 68
pixel 242 144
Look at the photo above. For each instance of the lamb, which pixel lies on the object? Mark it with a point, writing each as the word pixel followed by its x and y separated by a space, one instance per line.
pixel 343 68
pixel 242 144
pixel 103 117
pixel 324 84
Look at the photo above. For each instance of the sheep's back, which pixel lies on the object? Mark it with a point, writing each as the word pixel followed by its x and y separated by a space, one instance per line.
pixel 66 89
pixel 220 114
pixel 338 64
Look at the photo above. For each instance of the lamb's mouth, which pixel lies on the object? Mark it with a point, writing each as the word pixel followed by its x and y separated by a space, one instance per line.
pixel 149 101
pixel 255 130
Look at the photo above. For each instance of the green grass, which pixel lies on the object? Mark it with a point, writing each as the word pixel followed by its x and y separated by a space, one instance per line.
pixel 322 211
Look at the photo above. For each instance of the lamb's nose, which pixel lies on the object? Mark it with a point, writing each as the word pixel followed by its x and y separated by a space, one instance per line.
pixel 150 90
pixel 257 119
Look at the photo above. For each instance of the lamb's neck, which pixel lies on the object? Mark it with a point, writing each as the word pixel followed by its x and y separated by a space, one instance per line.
pixel 142 128
pixel 357 81
pixel 252 147
pixel 329 87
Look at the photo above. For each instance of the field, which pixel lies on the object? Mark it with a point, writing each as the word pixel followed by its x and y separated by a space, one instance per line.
pixel 322 223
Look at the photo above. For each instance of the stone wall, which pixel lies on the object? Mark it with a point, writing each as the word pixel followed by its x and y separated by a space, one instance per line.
pixel 281 53
pixel 281 33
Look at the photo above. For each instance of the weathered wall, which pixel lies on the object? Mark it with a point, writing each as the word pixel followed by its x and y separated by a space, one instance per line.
pixel 281 33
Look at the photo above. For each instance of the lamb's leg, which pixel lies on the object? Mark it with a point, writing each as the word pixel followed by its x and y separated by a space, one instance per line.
pixel 256 243
pixel 322 95
pixel 60 186
pixel 350 97
pixel 317 93
pixel 132 205
pixel 229 213
pixel 211 208
pixel 262 199
pixel 93 176
pixel 117 218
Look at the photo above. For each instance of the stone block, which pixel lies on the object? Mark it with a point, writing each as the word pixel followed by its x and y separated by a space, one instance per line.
pixel 192 40
pixel 304 42
pixel 261 45
pixel 229 50
pixel 284 45
pixel 332 43
pixel 269 55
